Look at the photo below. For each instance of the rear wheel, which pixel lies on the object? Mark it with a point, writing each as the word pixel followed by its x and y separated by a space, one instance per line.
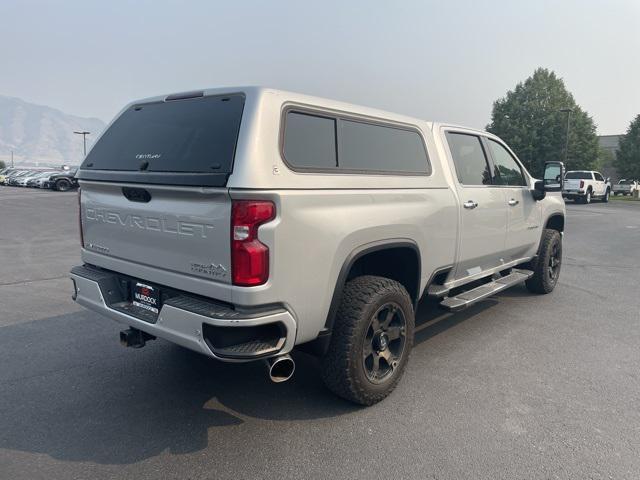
pixel 371 340
pixel 587 198
pixel 546 268
pixel 63 185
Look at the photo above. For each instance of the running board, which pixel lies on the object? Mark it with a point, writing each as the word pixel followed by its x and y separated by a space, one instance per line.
pixel 465 299
pixel 437 291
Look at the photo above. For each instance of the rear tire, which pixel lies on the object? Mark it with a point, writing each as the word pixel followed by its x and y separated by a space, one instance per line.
pixel 546 268
pixel 371 340
pixel 587 198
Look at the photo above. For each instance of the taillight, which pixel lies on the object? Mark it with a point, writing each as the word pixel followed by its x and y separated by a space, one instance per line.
pixel 80 217
pixel 581 183
pixel 249 256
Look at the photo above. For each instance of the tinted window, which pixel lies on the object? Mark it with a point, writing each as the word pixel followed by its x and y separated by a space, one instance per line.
pixel 506 169
pixel 469 158
pixel 578 176
pixel 194 135
pixel 365 146
pixel 310 141
pixel 599 177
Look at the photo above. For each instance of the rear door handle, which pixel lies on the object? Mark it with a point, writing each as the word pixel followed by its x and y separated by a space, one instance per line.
pixel 513 202
pixel 470 204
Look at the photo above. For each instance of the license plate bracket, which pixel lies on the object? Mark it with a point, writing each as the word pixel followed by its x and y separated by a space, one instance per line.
pixel 146 297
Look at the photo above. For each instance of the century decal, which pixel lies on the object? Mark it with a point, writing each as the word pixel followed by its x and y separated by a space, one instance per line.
pixel 156 224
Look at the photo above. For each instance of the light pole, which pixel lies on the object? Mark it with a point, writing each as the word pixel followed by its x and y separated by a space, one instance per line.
pixel 84 140
pixel 568 111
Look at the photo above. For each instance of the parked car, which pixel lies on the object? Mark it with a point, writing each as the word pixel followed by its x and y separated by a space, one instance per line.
pixel 625 187
pixel 38 179
pixel 5 173
pixel 14 177
pixel 585 185
pixel 24 179
pixel 62 181
pixel 200 230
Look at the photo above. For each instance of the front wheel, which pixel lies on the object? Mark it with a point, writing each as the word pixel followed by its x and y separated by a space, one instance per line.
pixel 605 199
pixel 371 340
pixel 546 268
pixel 63 185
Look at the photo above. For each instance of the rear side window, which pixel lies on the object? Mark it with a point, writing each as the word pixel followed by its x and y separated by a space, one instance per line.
pixel 469 158
pixel 196 135
pixel 365 146
pixel 333 143
pixel 310 141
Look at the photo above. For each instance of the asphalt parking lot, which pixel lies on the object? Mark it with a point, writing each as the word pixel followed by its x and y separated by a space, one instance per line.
pixel 519 386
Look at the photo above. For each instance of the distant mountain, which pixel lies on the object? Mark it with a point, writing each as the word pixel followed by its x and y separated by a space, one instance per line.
pixel 40 134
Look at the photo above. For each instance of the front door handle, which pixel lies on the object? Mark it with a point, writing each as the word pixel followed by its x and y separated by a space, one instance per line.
pixel 513 202
pixel 470 204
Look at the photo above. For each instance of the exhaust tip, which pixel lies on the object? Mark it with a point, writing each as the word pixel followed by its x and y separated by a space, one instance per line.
pixel 281 368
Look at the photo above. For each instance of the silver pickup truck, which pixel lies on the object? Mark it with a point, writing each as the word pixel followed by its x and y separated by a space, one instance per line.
pixel 244 222
pixel 626 187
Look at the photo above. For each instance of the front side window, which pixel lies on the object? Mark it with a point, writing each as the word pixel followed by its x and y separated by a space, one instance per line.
pixel 506 169
pixel 598 177
pixel 469 158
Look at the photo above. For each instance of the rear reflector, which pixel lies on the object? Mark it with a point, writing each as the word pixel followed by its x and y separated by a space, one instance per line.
pixel 249 256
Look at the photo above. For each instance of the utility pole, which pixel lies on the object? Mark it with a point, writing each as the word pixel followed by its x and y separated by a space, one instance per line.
pixel 84 140
pixel 11 158
pixel 568 111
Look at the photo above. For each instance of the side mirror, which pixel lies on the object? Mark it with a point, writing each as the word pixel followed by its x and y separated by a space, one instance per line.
pixel 553 178
pixel 538 191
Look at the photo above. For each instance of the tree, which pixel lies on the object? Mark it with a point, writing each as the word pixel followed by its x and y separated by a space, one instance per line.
pixel 530 119
pixel 628 155
pixel 2 165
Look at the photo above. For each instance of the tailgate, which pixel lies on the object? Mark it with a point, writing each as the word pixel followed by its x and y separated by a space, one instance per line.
pixel 178 229
pixel 572 184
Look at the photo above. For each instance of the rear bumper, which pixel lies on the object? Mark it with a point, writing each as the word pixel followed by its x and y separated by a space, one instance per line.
pixel 213 329
pixel 573 194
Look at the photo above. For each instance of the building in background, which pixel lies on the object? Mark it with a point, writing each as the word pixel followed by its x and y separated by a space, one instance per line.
pixel 610 143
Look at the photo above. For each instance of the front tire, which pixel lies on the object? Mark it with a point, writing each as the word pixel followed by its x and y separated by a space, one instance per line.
pixel 371 340
pixel 546 268
pixel 605 199
pixel 63 185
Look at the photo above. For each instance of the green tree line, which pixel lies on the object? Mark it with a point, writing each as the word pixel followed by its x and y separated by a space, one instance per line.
pixel 628 155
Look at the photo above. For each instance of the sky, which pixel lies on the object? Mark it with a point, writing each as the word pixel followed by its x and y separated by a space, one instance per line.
pixel 435 60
